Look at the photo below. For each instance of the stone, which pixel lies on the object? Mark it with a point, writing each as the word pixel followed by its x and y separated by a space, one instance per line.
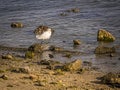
pixel 81 71
pixel 87 63
pixel 73 66
pixel 104 35
pixel 5 77
pixel 63 14
pixel 112 55
pixel 41 83
pixel 25 70
pixel 33 77
pixel 68 55
pixel 48 62
pixel 51 56
pixel 76 42
pixel 54 48
pixel 29 54
pixel 8 56
pixel 17 25
pixel 111 79
pixel 38 47
pixel 104 50
pixel 59 72
pixel 74 10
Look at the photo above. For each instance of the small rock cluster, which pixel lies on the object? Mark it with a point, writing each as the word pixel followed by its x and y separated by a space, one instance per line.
pixel 7 56
pixel 111 79
pixel 104 35
pixel 17 25
pixel 72 10
pixel 73 66
pixel 104 50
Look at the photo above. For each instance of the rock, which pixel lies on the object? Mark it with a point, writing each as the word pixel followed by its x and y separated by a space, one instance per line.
pixel 40 83
pixel 44 62
pixel 25 70
pixel 29 54
pixel 68 55
pixel 59 72
pixel 87 63
pixel 33 77
pixel 51 56
pixel 58 49
pixel 48 62
pixel 111 79
pixel 5 77
pixel 74 10
pixel 64 14
pixel 8 56
pixel 73 66
pixel 81 71
pixel 118 58
pixel 38 47
pixel 76 42
pixel 104 35
pixel 112 55
pixel 17 25
pixel 104 50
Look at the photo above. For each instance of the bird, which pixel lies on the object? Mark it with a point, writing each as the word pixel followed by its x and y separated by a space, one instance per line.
pixel 43 32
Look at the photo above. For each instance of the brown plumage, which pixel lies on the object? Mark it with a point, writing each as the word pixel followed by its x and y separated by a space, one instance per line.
pixel 43 32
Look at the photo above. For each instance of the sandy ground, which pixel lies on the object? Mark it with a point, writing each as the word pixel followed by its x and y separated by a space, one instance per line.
pixel 38 77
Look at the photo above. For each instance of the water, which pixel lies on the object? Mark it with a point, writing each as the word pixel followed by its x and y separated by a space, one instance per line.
pixel 93 15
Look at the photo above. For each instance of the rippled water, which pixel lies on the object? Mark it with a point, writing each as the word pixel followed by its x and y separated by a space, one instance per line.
pixel 93 15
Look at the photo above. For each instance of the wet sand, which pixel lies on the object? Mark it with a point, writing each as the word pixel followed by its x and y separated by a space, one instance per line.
pixel 39 77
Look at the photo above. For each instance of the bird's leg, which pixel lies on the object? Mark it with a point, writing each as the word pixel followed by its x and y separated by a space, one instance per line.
pixel 47 41
pixel 42 42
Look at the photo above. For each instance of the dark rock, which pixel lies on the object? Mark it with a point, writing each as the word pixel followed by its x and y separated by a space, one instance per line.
pixel 51 56
pixel 41 83
pixel 73 66
pixel 64 14
pixel 25 70
pixel 74 10
pixel 8 56
pixel 44 62
pixel 33 77
pixel 104 35
pixel 53 48
pixel 59 72
pixel 5 77
pixel 118 58
pixel 68 55
pixel 87 63
pixel 111 79
pixel 81 71
pixel 104 50
pixel 17 25
pixel 112 55
pixel 76 42
pixel 9 85
pixel 48 62
pixel 38 47
pixel 29 54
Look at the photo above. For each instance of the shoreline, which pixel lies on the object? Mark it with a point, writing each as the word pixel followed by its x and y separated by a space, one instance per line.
pixel 35 76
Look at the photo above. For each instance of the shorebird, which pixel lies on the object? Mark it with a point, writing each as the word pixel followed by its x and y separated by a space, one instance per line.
pixel 43 33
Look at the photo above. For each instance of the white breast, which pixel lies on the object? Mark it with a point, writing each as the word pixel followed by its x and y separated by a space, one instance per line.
pixel 45 35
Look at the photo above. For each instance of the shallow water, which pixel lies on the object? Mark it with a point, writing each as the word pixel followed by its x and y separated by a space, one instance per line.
pixel 93 15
